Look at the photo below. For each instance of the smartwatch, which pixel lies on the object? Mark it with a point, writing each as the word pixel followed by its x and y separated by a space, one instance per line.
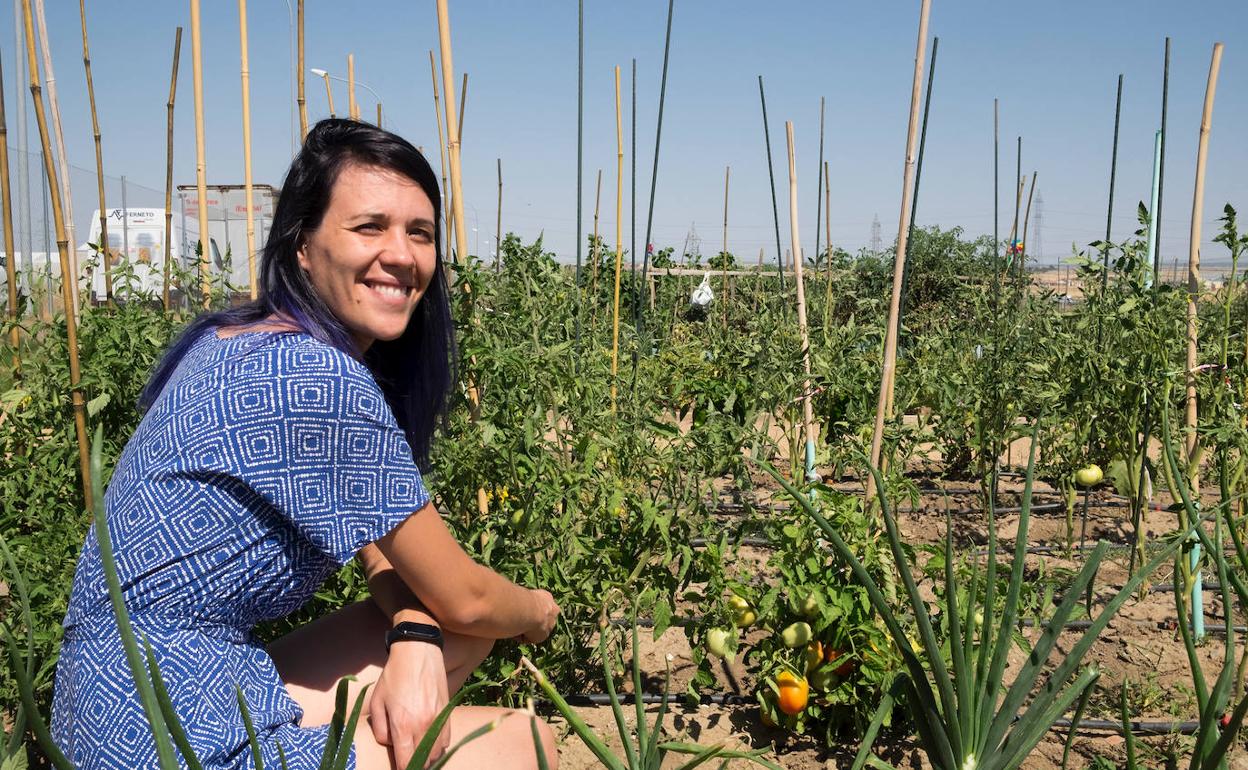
pixel 414 632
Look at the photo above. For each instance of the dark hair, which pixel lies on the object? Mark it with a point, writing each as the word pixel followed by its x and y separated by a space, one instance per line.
pixel 416 370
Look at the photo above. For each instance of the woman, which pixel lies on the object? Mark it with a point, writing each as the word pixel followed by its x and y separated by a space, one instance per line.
pixel 280 440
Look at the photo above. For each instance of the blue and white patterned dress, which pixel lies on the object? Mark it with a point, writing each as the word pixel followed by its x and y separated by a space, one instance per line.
pixel 267 462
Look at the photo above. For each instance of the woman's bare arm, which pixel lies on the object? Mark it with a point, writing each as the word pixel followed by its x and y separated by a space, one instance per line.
pixel 464 596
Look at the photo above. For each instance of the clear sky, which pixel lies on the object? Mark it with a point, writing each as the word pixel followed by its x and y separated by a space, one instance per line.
pixel 1053 65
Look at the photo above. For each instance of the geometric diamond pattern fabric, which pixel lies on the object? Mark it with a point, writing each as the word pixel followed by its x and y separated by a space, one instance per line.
pixel 266 463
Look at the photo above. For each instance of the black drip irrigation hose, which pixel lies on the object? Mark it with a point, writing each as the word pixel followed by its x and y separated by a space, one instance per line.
pixel 1137 727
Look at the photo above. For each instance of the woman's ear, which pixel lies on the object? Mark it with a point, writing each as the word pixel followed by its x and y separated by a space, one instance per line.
pixel 302 255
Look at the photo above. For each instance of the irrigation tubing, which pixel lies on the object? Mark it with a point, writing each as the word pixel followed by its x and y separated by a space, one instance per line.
pixel 654 178
pixel 1137 727
pixel 771 174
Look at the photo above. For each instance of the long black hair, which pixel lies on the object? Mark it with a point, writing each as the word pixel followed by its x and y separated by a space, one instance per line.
pixel 415 371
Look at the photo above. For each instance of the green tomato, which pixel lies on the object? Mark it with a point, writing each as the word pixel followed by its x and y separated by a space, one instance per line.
pixel 1089 476
pixel 809 606
pixel 823 678
pixel 720 642
pixel 744 618
pixel 737 604
pixel 796 634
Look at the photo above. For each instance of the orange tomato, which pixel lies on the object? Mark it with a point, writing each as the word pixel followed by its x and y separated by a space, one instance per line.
pixel 831 655
pixel 794 692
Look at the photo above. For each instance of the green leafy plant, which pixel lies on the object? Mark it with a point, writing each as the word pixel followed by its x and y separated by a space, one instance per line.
pixel 963 721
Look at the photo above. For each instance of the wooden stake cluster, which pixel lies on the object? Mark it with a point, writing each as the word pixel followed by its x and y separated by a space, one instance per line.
pixel 62 245
pixel 251 216
pixel 884 406
pixel 1193 267
pixel 105 252
pixel 67 197
pixel 173 92
pixel 452 134
pixel 201 179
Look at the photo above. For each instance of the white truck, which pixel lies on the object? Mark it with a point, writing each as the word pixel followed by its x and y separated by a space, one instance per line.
pixel 138 236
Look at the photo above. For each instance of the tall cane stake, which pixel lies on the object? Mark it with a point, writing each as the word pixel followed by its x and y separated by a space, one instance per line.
pixel 302 101
pixel 884 407
pixel 105 255
pixel 251 216
pixel 201 178
pixel 808 419
pixel 62 245
pixel 67 196
pixel 6 209
pixel 173 92
pixel 619 240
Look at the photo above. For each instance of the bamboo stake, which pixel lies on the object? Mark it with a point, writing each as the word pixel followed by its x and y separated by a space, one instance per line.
pixel 67 196
pixel 437 110
pixel 1018 199
pixel 173 92
pixel 619 239
pixel 498 225
pixel 201 178
pixel 593 282
pixel 329 94
pixel 808 419
pixel 1109 213
pixel 724 266
pixel 353 108
pixel 303 102
pixel 6 209
pixel 62 244
pixel 827 223
pixel 1193 267
pixel 251 216
pixel 105 255
pixel 884 407
pixel 463 99
pixel 452 134
pixel 1022 252
pixel 379 114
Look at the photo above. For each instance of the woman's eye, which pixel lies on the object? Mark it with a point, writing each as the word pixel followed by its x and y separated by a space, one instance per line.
pixel 369 227
pixel 424 235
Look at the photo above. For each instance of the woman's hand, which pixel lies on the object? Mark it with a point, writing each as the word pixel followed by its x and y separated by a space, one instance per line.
pixel 546 611
pixel 407 697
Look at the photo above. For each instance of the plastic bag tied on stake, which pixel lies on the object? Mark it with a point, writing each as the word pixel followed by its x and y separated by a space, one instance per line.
pixel 702 295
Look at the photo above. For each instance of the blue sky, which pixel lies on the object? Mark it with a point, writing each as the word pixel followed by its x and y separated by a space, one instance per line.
pixel 1053 65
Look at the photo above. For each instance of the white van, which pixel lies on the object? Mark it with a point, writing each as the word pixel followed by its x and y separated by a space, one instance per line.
pixel 138 235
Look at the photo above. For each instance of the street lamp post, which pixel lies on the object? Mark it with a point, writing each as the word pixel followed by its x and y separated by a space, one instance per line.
pixel 327 75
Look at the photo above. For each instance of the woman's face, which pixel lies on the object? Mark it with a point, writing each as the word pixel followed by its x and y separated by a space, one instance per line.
pixel 374 253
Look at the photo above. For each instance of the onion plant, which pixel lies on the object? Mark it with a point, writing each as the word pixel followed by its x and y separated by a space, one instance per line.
pixel 644 748
pixel 967 716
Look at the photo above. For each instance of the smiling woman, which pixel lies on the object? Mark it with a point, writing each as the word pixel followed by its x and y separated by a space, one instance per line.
pixel 374 254
pixel 280 440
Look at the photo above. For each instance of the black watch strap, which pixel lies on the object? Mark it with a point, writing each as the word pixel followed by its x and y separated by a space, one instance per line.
pixel 414 632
